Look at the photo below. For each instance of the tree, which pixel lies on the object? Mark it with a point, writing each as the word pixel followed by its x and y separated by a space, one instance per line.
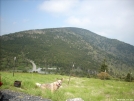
pixel 103 71
pixel 129 77
pixel 104 66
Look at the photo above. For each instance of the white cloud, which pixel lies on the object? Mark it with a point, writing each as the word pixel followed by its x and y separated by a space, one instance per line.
pixel 57 6
pixel 110 18
pixel 75 21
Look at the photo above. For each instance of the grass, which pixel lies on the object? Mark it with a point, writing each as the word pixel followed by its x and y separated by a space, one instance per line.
pixel 89 89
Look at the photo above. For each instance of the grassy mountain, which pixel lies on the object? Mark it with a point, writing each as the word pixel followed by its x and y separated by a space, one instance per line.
pixel 61 47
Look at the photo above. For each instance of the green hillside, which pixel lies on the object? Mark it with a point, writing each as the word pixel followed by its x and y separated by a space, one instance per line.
pixel 61 47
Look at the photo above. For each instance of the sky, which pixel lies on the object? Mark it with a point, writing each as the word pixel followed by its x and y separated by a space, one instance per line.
pixel 110 18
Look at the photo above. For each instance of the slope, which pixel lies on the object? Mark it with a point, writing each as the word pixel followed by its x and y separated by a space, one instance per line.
pixel 61 47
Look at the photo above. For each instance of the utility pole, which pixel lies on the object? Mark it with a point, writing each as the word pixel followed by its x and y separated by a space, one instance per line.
pixel 14 65
pixel 70 74
pixel 130 76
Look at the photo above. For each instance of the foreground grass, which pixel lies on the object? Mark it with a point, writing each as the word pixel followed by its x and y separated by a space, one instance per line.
pixel 88 89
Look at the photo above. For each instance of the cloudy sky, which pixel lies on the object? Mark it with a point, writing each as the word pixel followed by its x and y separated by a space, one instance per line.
pixel 110 18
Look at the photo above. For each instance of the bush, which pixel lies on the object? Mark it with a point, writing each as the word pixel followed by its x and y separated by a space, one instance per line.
pixel 103 76
pixel 129 78
pixel 25 71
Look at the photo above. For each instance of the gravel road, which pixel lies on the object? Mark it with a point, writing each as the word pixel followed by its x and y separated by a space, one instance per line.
pixel 18 96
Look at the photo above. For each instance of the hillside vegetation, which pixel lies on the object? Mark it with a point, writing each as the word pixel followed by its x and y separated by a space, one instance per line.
pixel 63 47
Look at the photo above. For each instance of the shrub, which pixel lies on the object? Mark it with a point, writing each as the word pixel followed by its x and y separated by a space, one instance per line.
pixel 103 75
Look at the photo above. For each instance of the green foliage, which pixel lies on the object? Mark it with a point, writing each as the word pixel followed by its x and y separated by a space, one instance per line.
pixel 61 46
pixel 104 67
pixel 129 77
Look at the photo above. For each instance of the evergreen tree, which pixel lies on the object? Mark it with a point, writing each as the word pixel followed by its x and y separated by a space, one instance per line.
pixel 104 66
pixel 129 77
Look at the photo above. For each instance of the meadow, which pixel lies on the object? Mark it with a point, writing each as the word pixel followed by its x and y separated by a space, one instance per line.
pixel 89 89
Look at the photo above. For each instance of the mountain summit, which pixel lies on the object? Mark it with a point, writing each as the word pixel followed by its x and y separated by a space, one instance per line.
pixel 63 47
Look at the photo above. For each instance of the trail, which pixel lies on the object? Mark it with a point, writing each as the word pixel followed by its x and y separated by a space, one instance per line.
pixel 34 65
